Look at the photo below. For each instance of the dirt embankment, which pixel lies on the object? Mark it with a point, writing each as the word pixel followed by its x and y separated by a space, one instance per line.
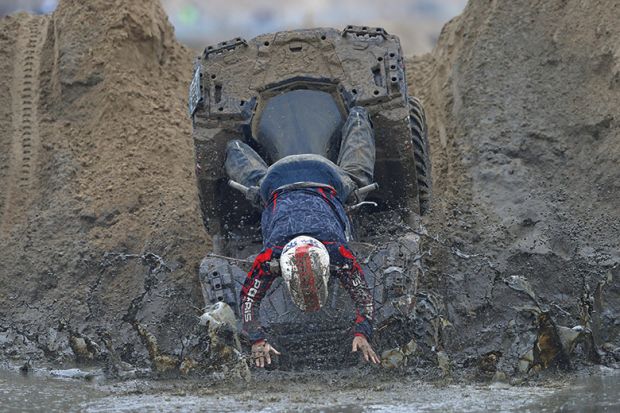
pixel 99 89
pixel 99 218
pixel 523 103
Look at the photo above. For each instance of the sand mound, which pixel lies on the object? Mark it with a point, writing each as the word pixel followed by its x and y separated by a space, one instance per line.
pixel 109 168
pixel 523 101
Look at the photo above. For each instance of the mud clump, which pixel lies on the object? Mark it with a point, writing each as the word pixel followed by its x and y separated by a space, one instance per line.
pixel 101 235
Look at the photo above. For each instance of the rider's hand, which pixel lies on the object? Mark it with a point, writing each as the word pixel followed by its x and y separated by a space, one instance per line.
pixel 261 353
pixel 360 342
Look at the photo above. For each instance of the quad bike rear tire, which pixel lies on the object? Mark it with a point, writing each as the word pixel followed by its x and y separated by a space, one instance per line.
pixel 421 149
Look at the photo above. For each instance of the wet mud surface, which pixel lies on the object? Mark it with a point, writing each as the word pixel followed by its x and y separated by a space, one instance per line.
pixel 350 391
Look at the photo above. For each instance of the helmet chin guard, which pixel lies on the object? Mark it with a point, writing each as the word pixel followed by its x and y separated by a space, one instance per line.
pixel 305 268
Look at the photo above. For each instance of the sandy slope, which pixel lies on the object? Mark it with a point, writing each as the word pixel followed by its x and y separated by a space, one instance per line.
pixel 523 100
pixel 113 173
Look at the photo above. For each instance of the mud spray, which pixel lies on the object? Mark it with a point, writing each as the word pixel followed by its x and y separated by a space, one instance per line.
pixel 101 235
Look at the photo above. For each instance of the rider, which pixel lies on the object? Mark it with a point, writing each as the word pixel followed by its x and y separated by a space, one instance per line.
pixel 305 228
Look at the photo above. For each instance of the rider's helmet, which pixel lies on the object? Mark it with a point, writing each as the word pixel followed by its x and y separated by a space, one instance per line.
pixel 305 268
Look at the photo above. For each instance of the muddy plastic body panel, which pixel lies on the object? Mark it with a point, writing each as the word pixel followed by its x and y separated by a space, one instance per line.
pixel 315 131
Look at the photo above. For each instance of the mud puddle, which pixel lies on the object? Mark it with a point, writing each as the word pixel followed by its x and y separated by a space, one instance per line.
pixel 38 392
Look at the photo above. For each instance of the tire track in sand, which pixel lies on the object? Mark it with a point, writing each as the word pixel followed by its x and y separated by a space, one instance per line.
pixel 25 99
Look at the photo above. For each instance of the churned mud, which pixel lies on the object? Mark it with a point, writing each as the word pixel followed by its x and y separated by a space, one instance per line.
pixel 344 391
pixel 101 235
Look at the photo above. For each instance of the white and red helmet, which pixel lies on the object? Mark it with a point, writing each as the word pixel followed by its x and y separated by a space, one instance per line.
pixel 305 268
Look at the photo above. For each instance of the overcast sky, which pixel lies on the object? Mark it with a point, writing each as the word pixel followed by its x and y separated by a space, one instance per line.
pixel 417 22
pixel 202 22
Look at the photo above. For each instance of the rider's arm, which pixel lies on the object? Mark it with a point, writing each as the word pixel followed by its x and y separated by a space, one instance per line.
pixel 352 279
pixel 255 287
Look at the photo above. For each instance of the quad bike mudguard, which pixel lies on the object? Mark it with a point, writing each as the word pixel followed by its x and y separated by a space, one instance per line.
pixel 288 127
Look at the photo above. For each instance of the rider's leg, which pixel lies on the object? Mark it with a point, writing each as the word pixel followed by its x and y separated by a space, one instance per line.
pixel 357 150
pixel 243 164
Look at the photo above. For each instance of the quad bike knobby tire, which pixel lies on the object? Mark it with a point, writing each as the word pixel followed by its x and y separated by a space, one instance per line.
pixel 421 149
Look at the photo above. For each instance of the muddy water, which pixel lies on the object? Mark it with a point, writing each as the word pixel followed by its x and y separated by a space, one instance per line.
pixel 38 392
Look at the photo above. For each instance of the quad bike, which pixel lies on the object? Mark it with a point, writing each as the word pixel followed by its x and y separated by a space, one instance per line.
pixel 289 93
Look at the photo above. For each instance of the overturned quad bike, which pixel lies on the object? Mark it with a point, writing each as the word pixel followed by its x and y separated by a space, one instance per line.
pixel 288 93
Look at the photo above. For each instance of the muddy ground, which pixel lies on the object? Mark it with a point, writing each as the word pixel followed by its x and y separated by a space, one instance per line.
pixel 348 393
pixel 101 235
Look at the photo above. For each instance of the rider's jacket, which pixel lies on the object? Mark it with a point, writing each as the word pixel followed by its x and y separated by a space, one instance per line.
pixel 312 211
pixel 305 169
pixel 304 196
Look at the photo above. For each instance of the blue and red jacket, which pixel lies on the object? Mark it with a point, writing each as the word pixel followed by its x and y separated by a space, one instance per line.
pixel 304 195
pixel 319 213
